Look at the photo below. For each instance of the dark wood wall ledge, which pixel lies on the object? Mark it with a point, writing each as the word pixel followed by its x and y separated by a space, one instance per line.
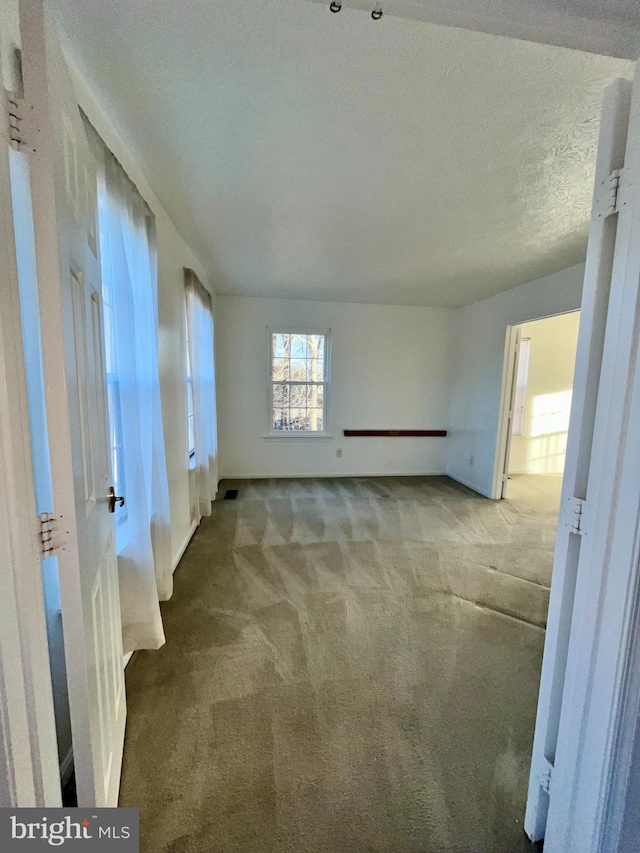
pixel 394 433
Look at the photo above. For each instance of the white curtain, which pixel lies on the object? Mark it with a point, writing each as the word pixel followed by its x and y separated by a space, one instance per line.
pixel 129 267
pixel 203 384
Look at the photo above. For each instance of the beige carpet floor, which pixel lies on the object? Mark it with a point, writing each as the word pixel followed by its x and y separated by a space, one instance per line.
pixel 351 665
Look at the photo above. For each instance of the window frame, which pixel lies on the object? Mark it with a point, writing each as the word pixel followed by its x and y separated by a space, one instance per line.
pixel 299 435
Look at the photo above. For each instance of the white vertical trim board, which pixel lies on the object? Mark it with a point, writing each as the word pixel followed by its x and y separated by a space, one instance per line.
pixel 507 395
pixel 29 774
pixel 592 718
pixel 585 742
pixel 613 132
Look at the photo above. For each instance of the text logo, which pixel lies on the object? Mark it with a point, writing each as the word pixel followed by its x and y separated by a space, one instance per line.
pixel 70 829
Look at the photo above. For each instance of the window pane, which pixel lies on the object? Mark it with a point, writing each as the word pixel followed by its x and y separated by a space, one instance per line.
pixel 314 395
pixel 315 369
pixel 316 346
pixel 298 346
pixel 280 406
pixel 298 395
pixel 298 418
pixel 280 395
pixel 298 370
pixel 280 346
pixel 281 368
pixel 315 419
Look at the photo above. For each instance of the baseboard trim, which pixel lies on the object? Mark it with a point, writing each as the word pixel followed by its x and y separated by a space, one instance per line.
pixel 66 767
pixel 183 547
pixel 335 476
pixel 466 483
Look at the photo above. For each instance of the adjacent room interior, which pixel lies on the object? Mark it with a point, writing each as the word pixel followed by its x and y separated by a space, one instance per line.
pixel 539 405
pixel 292 244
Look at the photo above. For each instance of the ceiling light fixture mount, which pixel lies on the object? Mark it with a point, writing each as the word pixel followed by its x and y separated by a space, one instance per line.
pixel 376 14
pixel 335 5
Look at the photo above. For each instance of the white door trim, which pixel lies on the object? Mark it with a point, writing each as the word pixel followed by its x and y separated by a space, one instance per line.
pixel 569 544
pixel 594 724
pixel 503 443
pixel 503 436
pixel 63 185
pixel 29 773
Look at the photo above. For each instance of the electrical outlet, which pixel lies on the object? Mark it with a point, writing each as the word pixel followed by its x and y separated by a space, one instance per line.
pixel 471 461
pixel 339 453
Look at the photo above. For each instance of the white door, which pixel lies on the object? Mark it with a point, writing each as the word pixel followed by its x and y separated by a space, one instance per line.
pixel 560 807
pixel 65 223
pixel 29 773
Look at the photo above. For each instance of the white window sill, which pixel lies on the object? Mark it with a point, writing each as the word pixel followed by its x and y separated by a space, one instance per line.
pixel 298 436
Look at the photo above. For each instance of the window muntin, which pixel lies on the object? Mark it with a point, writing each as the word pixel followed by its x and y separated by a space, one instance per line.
pixel 299 379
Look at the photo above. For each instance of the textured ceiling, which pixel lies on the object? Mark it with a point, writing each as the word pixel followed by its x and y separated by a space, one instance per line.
pixel 309 155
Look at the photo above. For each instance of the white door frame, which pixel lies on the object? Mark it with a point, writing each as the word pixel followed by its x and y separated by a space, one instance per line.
pixel 594 742
pixel 68 270
pixel 585 750
pixel 29 773
pixel 509 363
pixel 507 392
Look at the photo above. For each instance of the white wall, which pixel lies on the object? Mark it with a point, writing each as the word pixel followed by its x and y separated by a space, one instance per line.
pixel 391 369
pixel 173 255
pixel 479 356
pixel 541 447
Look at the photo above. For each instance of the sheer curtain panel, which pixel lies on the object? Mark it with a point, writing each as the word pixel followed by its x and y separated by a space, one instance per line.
pixel 203 384
pixel 129 270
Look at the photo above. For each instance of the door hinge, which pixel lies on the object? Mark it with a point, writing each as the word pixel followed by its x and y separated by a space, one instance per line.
pixel 546 776
pixel 23 132
pixel 578 512
pixel 47 529
pixel 609 196
pixel 15 111
pixel 614 190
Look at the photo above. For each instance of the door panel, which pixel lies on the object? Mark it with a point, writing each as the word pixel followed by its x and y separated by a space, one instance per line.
pixel 64 198
pixel 577 488
pixel 29 770
pixel 608 570
pixel 83 386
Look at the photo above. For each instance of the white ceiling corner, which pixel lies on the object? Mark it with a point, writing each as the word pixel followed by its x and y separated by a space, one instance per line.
pixel 609 29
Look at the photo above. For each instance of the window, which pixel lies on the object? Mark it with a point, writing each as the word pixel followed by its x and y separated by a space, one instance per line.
pixel 521 386
pixel 299 381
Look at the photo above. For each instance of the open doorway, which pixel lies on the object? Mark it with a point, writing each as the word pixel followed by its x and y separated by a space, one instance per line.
pixel 540 361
